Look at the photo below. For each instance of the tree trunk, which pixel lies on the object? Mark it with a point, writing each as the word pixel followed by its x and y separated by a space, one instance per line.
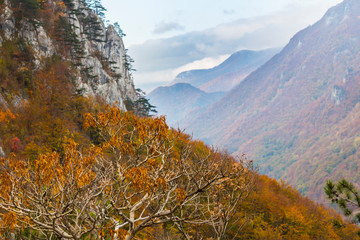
pixel 128 237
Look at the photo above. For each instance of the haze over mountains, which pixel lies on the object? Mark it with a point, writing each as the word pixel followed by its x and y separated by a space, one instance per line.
pixel 178 100
pixel 229 73
pixel 194 90
pixel 298 114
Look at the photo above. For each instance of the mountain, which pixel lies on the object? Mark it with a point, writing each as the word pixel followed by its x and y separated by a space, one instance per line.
pixel 74 167
pixel 73 31
pixel 58 61
pixel 178 100
pixel 192 91
pixel 229 73
pixel 298 114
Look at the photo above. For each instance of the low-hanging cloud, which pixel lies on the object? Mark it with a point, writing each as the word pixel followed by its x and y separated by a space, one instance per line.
pixel 147 80
pixel 165 27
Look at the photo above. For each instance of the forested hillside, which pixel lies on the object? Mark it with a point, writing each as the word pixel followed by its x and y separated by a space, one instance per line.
pixel 133 177
pixel 82 159
pixel 298 114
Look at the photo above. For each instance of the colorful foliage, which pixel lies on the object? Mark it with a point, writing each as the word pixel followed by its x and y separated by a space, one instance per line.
pixel 141 175
pixel 86 171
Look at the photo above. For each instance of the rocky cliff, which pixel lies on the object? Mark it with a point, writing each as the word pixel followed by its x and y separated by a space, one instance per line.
pixel 73 31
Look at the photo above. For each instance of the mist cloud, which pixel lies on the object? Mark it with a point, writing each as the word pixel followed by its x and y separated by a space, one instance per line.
pixel 229 11
pixel 165 27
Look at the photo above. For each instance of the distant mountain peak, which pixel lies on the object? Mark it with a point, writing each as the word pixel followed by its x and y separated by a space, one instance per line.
pixel 227 74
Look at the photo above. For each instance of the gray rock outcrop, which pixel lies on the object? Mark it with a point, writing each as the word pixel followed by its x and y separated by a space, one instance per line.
pixel 104 58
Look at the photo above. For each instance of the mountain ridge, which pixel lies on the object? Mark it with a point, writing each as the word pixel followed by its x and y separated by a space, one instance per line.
pixel 312 70
pixel 212 84
pixel 181 100
pixel 78 164
pixel 227 74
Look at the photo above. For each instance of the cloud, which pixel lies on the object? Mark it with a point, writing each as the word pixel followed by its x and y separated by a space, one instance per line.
pixel 165 27
pixel 229 11
pixel 170 53
pixel 159 58
pixel 147 81
pixel 205 63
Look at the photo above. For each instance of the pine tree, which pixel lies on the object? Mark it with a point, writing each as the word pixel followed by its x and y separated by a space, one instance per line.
pixel 119 30
pixel 141 107
pixel 93 28
pixel 97 7
pixel 346 196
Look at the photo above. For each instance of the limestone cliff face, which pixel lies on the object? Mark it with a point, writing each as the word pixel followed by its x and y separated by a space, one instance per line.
pixel 101 68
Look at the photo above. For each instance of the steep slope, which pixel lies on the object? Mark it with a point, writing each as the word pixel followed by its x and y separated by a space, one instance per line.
pixel 72 30
pixel 229 73
pixel 47 88
pixel 297 115
pixel 178 100
pixel 57 61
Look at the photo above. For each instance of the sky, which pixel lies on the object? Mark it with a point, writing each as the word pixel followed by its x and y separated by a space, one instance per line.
pixel 166 37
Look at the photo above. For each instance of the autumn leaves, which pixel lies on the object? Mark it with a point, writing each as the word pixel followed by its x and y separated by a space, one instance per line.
pixel 141 174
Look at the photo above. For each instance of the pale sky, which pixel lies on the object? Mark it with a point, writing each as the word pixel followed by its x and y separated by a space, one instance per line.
pixel 166 37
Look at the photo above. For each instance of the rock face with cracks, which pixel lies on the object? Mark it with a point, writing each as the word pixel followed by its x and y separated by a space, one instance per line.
pixel 104 58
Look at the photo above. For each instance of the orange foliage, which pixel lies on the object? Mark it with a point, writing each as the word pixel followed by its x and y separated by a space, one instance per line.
pixel 9 220
pixel 135 166
pixel 282 213
pixel 6 116
pixel 141 172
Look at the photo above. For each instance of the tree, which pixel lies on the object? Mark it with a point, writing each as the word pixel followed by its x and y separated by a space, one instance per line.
pixel 141 175
pixel 97 7
pixel 142 107
pixel 119 30
pixel 66 35
pixel 93 28
pixel 128 61
pixel 226 198
pixel 222 203
pixel 346 196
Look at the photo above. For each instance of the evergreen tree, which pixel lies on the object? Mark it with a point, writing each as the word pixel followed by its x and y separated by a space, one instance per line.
pixel 119 30
pixel 66 35
pixel 93 28
pixel 128 61
pixel 141 107
pixel 346 196
pixel 97 7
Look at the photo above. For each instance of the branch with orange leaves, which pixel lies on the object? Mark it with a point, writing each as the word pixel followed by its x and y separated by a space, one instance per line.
pixel 161 175
pixel 61 195
pixel 142 174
